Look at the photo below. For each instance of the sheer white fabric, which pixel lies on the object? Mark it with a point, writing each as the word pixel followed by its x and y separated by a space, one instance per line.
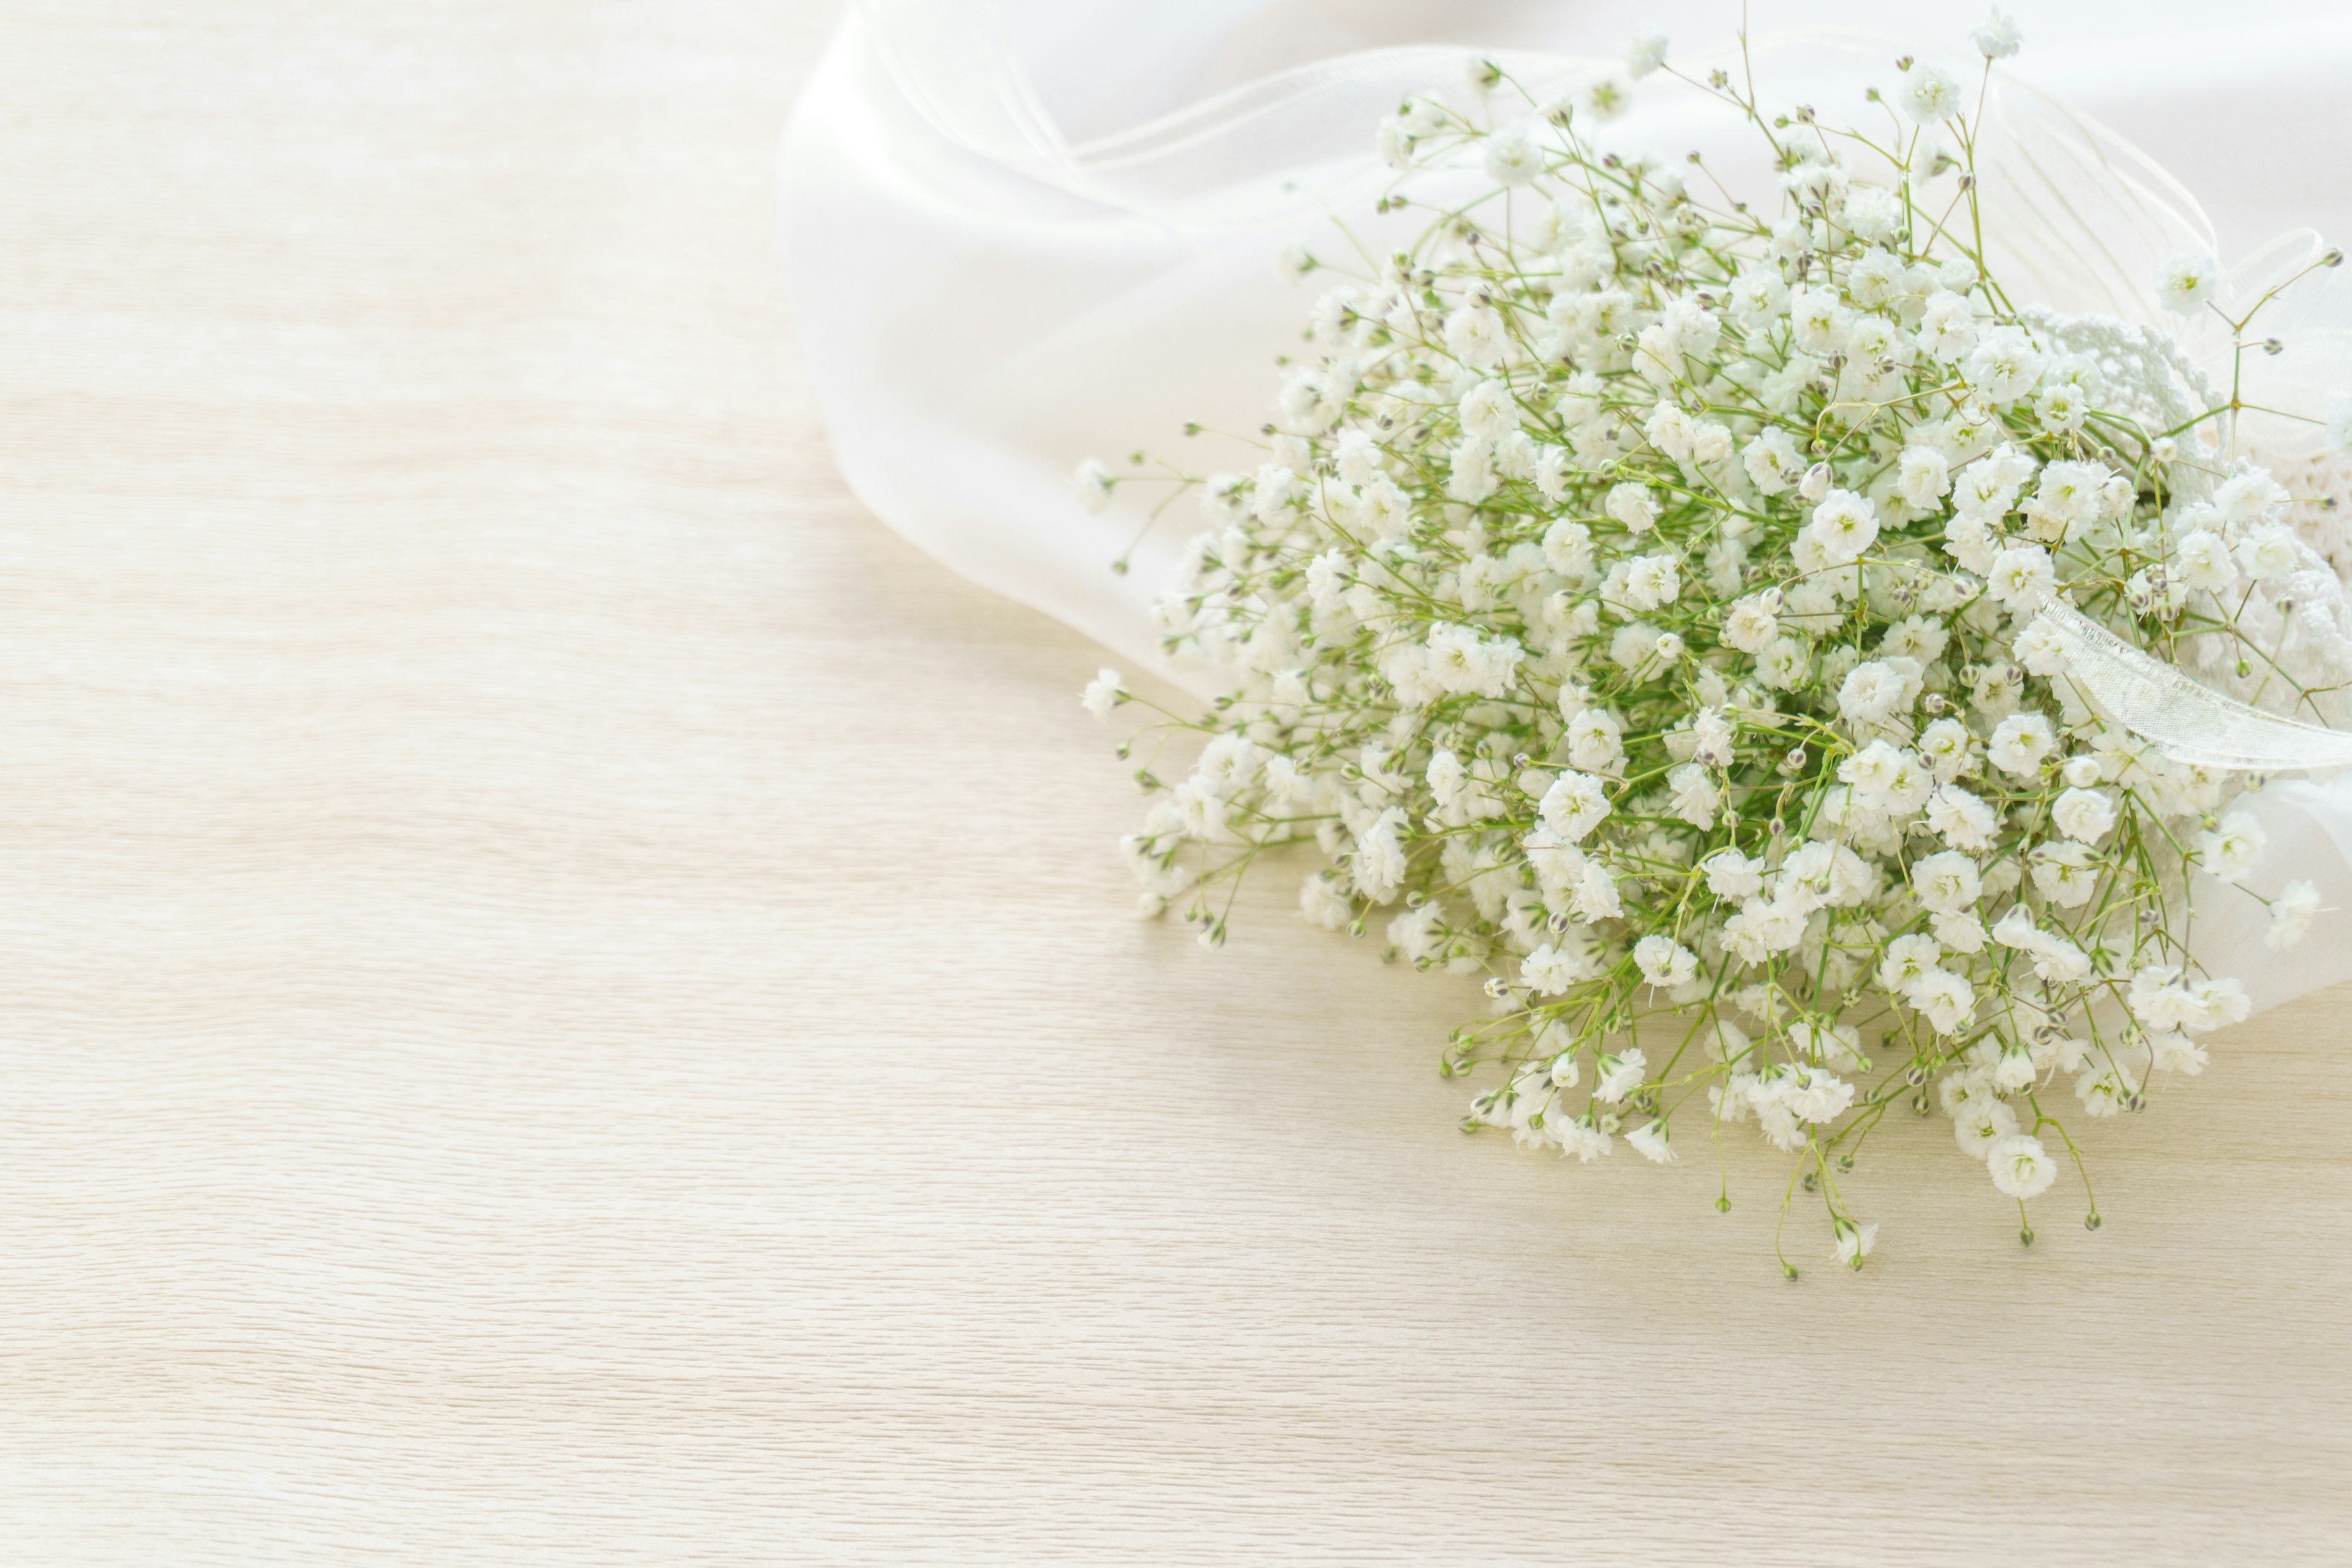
pixel 1019 233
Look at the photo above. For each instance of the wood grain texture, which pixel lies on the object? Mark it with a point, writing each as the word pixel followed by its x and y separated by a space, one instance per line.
pixel 568 998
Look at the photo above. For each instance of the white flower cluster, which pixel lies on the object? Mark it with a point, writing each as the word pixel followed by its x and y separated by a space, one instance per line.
pixel 1638 605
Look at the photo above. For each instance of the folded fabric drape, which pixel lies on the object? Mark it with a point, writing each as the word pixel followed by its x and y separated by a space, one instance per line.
pixel 1018 233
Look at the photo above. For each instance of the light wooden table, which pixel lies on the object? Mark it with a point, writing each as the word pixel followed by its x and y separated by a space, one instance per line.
pixel 568 998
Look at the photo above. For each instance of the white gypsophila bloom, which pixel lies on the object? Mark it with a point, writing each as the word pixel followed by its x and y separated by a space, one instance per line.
pixel 2022 576
pixel 1872 691
pixel 2020 1167
pixel 2018 744
pixel 1634 505
pixel 1692 794
pixel 1488 411
pixel 2186 282
pixel 1978 1124
pixel 2292 913
pixel 2083 813
pixel 1944 745
pixel 1619 1076
pixel 1946 882
pixel 1907 961
pixel 1513 159
pixel 1608 98
pixel 1103 694
pixel 1583 1140
pixel 1475 336
pixel 2003 366
pixel 2269 553
pixel 1944 999
pixel 1844 525
pixel 2064 872
pixel 1664 961
pixel 2229 849
pixel 1592 741
pixel 1947 332
pixel 1928 95
pixel 1773 463
pixel 1647 54
pixel 1855 1242
pixel 1960 819
pixel 1093 483
pixel 1650 1140
pixel 1322 901
pixel 1961 933
pixel 1997 38
pixel 1751 623
pixel 1652 582
pixel 1554 968
pixel 1732 875
pixel 1573 806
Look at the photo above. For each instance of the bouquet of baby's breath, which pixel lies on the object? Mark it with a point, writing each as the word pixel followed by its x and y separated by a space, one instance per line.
pixel 1648 603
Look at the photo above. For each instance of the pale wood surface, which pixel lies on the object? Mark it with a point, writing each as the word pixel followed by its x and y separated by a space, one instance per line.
pixel 568 998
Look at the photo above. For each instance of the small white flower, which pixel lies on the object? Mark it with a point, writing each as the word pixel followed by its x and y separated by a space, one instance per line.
pixel 2229 850
pixel 1944 999
pixel 1844 525
pixel 1608 98
pixel 2065 873
pixel 1961 933
pixel 1093 482
pixel 1872 692
pixel 1488 411
pixel 2291 915
pixel 1923 477
pixel 2021 1166
pixel 1997 38
pixel 1960 819
pixel 1582 1139
pixel 1652 582
pixel 2083 813
pixel 1633 505
pixel 1694 799
pixel 1553 969
pixel 1855 1242
pixel 1322 901
pixel 1927 94
pixel 1712 738
pixel 1731 875
pixel 2021 578
pixel 2018 744
pixel 2004 365
pixel 1650 1139
pixel 1619 1076
pixel 1980 1122
pixel 1474 335
pixel 1946 882
pixel 1513 158
pixel 2186 282
pixel 2268 553
pixel 1573 806
pixel 2339 427
pixel 1103 694
pixel 1593 741
pixel 1751 623
pixel 1664 961
pixel 1772 462
pixel 1648 52
pixel 1945 746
